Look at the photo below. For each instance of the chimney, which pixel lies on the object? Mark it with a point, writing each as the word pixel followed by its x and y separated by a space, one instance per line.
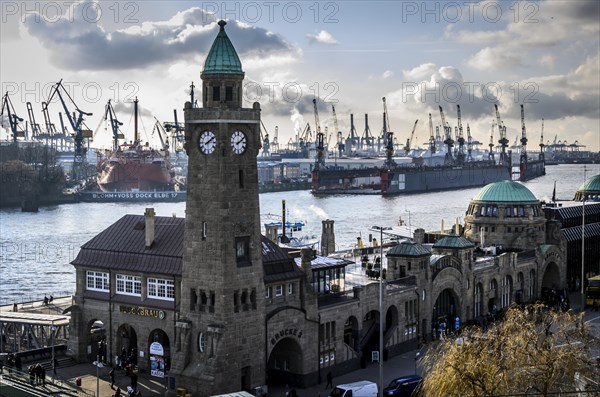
pixel 327 238
pixel 306 255
pixel 419 235
pixel 149 215
pixel 272 231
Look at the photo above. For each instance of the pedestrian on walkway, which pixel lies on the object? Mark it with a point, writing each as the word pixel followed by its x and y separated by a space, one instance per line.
pixel 118 393
pixel 112 378
pixel 43 375
pixel 329 380
pixel 54 365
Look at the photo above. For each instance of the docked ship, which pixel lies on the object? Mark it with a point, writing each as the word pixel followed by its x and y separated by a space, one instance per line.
pixel 133 171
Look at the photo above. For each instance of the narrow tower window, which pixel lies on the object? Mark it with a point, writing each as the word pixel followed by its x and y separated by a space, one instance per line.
pixel 229 93
pixel 241 178
pixel 216 93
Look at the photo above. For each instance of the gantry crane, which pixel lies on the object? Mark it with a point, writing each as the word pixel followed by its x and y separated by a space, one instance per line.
pixel 50 127
pixel 523 157
pixel 502 141
pixel 36 130
pixel 469 144
pixel 352 141
pixel 367 137
pixel 110 115
pixel 76 121
pixel 491 156
pixel 13 119
pixel 448 141
pixel 431 137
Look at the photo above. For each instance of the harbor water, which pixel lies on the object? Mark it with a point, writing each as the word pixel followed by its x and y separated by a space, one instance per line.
pixel 36 248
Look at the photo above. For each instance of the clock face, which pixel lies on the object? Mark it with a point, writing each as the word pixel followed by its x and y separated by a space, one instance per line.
pixel 238 142
pixel 207 142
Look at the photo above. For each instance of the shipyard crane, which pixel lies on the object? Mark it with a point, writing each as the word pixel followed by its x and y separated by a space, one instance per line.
pixel 431 137
pixel 50 127
pixel 340 142
pixel 469 144
pixel 491 145
pixel 460 138
pixel 542 155
pixel 448 141
pixel 110 115
pixel 275 141
pixel 388 137
pixel 36 130
pixel 13 119
pixel 367 136
pixel 502 141
pixel 160 130
pixel 65 135
pixel 76 121
pixel 352 141
pixel 320 158
pixel 409 141
pixel 523 157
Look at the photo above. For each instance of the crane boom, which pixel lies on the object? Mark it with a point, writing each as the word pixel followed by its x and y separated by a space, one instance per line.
pixel 35 127
pixel 319 160
pixel 449 142
pixel 431 136
pixel 502 141
pixel 542 143
pixel 409 141
pixel 388 137
pixel 13 119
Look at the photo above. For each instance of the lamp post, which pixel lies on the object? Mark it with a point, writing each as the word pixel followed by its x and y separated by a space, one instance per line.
pixel 583 246
pixel 380 229
pixel 98 365
pixel 52 341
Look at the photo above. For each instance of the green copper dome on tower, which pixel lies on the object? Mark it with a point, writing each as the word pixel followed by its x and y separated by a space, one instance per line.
pixel 590 189
pixel 505 192
pixel 222 57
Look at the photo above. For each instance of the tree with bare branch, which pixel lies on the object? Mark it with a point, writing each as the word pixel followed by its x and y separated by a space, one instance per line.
pixel 533 350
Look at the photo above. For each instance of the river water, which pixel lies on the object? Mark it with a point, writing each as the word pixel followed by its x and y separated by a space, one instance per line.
pixel 36 248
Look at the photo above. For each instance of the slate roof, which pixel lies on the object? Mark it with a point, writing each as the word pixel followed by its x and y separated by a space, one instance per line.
pixel 574 233
pixel 122 246
pixel 505 192
pixel 453 241
pixel 325 262
pixel 222 57
pixel 408 248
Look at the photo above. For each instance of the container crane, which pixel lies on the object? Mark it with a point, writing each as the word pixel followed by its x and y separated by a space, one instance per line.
pixel 13 119
pixel 266 144
pixel 320 158
pixel 340 142
pixel 431 137
pixel 367 137
pixel 76 121
pixel 542 155
pixel 502 141
pixel 275 141
pixel 50 127
pixel 448 141
pixel 110 115
pixel 352 141
pixel 409 141
pixel 36 130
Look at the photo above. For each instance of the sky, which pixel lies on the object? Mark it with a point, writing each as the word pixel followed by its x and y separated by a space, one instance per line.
pixel 350 54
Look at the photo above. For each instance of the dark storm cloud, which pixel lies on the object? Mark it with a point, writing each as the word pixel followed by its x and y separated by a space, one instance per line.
pixel 557 106
pixel 81 45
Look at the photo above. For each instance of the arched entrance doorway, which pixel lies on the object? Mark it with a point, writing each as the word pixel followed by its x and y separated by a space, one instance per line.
pixel 369 339
pixel 351 332
pixel 285 363
pixel 551 284
pixel 160 353
pixel 126 344
pixel 96 341
pixel 445 310
pixel 391 318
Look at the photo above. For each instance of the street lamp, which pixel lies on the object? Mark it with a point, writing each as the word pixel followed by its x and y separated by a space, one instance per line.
pixel 380 229
pixel 98 365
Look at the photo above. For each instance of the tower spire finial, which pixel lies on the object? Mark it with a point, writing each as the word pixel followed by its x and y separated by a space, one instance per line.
pixel 222 24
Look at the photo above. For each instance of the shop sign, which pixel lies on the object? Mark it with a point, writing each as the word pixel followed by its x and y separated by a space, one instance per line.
pixel 157 360
pixel 142 311
pixel 286 332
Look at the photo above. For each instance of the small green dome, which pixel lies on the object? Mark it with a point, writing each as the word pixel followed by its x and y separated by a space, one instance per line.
pixel 590 185
pixel 453 241
pixel 408 248
pixel 222 57
pixel 505 192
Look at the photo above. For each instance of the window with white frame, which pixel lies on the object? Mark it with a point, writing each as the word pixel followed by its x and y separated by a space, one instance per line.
pixel 129 285
pixel 267 292
pixel 97 281
pixel 279 290
pixel 161 289
pixel 290 288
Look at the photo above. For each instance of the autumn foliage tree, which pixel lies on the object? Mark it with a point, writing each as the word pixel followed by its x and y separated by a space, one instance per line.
pixel 533 351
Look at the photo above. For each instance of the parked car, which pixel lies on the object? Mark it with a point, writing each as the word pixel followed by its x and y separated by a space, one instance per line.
pixel 405 386
pixel 363 388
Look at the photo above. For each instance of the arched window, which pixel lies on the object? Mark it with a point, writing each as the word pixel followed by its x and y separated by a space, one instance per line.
pixel 531 291
pixel 506 291
pixel 478 300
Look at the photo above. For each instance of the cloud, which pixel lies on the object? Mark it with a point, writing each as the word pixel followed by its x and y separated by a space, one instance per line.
pixel 490 58
pixel 387 74
pixel 547 60
pixel 79 45
pixel 323 37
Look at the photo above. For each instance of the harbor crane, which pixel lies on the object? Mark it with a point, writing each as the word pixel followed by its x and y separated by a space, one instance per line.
pixel 367 138
pixel 491 156
pixel 160 131
pixel 388 136
pixel 13 119
pixel 320 158
pixel 523 157
pixel 76 121
pixel 340 141
pixel 176 130
pixel 502 141
pixel 431 137
pixel 50 127
pixel 460 157
pixel 469 144
pixel 36 130
pixel 542 155
pixel 275 141
pixel 409 141
pixel 110 115
pixel 448 141
pixel 266 144
pixel 352 141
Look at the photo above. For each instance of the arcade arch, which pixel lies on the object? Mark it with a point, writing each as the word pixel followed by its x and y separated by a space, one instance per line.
pixel 285 363
pixel 159 353
pixel 446 308
pixel 126 344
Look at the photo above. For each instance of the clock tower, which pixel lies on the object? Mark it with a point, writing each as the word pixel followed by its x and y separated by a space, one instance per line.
pixel 220 344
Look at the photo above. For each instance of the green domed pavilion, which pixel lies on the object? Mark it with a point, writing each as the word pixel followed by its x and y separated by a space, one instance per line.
pixel 589 190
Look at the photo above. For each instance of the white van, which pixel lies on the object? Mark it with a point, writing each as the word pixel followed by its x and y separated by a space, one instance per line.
pixel 363 388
